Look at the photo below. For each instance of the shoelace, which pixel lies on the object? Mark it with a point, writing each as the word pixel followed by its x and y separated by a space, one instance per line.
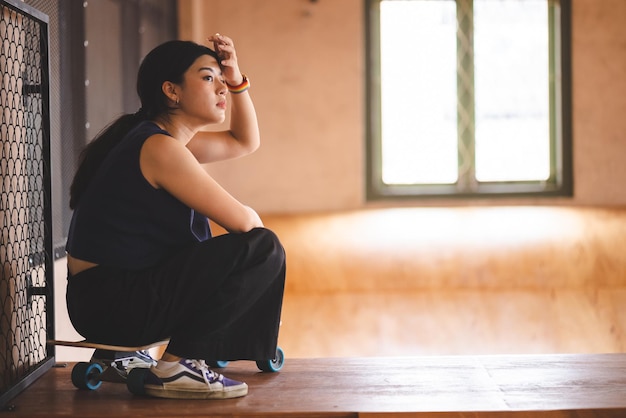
pixel 209 375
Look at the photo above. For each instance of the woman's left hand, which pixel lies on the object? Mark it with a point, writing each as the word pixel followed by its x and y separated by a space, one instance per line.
pixel 225 49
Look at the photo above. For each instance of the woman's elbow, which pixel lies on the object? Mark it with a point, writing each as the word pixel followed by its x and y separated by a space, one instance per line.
pixel 248 222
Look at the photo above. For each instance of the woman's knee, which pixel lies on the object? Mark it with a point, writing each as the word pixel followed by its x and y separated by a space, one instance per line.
pixel 266 241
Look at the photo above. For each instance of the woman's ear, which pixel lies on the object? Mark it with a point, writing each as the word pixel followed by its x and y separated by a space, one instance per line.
pixel 169 89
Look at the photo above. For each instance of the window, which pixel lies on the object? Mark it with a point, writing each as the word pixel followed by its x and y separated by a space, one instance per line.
pixel 468 98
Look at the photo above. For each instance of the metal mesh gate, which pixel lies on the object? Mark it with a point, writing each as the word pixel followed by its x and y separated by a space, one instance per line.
pixel 26 262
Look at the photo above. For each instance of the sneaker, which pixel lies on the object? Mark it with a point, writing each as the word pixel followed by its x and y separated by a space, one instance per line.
pixel 117 364
pixel 191 379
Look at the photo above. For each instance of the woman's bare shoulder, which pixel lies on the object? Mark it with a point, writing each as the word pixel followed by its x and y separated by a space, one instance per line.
pixel 163 156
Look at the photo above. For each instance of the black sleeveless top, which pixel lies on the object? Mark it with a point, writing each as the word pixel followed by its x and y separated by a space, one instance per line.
pixel 122 221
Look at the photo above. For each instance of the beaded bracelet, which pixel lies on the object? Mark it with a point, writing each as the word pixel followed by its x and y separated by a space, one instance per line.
pixel 240 88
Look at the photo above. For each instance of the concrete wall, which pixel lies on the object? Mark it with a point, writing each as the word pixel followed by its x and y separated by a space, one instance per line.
pixel 306 63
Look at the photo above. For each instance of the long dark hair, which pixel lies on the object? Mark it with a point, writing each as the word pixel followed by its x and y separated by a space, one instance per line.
pixel 166 62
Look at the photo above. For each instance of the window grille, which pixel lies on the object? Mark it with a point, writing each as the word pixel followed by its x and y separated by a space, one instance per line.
pixel 26 260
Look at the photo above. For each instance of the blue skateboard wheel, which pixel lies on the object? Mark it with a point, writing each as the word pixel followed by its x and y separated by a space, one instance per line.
pixel 87 375
pixel 274 364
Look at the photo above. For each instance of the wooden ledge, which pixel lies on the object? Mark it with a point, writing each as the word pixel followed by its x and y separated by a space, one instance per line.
pixel 554 386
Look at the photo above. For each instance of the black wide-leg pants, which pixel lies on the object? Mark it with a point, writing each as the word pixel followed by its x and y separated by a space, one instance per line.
pixel 216 300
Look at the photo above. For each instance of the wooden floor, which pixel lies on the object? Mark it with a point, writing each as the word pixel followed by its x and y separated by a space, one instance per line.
pixel 443 386
pixel 463 353
pixel 444 281
pixel 508 312
pixel 446 322
pixel 439 281
pixel 454 322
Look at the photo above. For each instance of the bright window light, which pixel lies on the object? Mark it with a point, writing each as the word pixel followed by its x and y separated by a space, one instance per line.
pixel 418 92
pixel 509 113
pixel 512 92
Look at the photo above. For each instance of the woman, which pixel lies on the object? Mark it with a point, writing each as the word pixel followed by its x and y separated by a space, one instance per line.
pixel 142 265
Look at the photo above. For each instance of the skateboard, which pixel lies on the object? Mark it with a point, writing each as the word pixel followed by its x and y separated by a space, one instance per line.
pixel 90 375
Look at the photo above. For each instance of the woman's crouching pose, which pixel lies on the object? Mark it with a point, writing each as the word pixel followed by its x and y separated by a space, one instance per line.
pixel 142 264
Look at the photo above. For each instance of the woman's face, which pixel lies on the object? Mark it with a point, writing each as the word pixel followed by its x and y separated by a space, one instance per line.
pixel 203 91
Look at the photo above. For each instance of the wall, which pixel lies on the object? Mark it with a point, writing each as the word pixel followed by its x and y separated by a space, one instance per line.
pixel 306 63
pixel 599 73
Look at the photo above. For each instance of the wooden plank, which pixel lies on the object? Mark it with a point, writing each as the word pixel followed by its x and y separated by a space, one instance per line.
pixel 461 386
pixel 587 413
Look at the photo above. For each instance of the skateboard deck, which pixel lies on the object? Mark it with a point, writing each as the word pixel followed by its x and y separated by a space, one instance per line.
pixel 100 346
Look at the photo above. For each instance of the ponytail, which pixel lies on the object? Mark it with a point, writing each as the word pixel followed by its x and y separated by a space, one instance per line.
pixel 166 62
pixel 96 151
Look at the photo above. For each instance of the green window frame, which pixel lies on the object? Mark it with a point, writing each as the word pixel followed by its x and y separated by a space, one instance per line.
pixel 557 182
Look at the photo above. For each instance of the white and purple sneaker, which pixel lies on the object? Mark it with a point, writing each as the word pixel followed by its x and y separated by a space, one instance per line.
pixel 190 379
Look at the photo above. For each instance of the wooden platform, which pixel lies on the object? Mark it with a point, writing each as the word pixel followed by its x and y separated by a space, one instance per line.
pixel 553 386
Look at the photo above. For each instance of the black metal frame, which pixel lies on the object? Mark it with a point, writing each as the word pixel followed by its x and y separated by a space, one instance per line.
pixel 38 258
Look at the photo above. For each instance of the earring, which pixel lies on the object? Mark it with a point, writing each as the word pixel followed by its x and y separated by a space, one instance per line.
pixel 177 100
